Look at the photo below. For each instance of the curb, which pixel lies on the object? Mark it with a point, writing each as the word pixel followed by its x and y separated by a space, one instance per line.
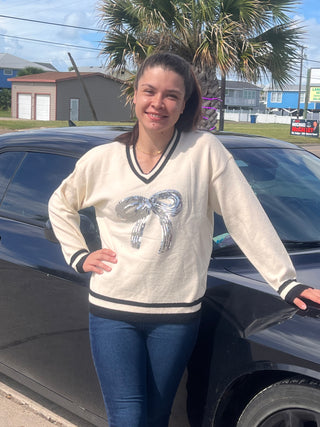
pixel 33 407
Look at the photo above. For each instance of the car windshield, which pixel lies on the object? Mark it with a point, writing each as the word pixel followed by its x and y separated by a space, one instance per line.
pixel 287 183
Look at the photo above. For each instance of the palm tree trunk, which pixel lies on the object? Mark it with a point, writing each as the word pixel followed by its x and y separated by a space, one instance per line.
pixel 210 94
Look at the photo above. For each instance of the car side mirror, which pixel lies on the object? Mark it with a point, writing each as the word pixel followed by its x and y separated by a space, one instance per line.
pixel 49 233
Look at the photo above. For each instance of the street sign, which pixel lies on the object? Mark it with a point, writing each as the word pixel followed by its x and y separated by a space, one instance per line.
pixel 304 127
pixel 314 94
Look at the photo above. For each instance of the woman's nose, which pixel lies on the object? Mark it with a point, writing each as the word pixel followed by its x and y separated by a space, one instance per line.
pixel 157 100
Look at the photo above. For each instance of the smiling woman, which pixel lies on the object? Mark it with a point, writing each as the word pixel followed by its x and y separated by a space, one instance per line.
pixel 155 190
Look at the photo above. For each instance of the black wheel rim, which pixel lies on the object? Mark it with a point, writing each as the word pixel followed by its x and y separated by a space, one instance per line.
pixel 292 418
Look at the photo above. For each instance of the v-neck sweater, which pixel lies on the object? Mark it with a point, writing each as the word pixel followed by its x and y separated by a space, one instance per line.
pixel 160 224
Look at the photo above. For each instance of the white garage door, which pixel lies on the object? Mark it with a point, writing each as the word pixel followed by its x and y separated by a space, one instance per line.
pixel 42 107
pixel 24 106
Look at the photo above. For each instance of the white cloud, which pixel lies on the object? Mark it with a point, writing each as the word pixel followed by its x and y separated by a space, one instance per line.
pixel 76 13
pixel 312 37
pixel 85 13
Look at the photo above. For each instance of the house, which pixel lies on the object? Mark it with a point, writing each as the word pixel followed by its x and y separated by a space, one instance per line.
pixel 242 95
pixel 63 96
pixel 286 100
pixel 10 65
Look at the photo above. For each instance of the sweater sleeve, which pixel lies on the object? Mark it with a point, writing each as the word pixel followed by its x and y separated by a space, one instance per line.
pixel 64 204
pixel 251 229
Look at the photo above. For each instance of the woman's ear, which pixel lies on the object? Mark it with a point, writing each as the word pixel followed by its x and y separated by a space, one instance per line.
pixel 134 97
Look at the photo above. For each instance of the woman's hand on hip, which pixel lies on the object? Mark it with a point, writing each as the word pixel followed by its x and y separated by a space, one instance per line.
pixel 98 261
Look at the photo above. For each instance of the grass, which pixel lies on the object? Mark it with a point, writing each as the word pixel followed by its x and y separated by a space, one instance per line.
pixel 5 113
pixel 272 130
pixel 21 124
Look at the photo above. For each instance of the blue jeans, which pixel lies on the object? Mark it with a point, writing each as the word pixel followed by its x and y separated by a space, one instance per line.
pixel 139 366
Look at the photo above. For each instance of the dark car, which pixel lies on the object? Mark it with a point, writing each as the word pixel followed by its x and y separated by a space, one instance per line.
pixel 257 360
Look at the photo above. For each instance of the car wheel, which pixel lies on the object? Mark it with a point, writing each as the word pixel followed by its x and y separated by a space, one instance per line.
pixel 289 403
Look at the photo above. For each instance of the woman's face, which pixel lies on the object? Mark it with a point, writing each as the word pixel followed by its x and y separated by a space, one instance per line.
pixel 159 100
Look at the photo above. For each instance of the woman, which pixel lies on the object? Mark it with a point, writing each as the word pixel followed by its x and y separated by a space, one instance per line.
pixel 154 191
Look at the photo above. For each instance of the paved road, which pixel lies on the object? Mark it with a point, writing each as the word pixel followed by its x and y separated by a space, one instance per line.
pixel 314 148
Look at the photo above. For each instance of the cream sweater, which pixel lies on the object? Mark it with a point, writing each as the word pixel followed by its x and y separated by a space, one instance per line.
pixel 160 224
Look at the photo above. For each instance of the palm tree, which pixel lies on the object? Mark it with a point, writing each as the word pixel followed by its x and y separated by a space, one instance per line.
pixel 251 38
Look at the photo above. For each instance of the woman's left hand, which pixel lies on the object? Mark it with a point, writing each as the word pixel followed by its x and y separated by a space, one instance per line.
pixel 310 294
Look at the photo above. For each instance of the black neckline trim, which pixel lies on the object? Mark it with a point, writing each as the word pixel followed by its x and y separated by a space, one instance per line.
pixel 153 176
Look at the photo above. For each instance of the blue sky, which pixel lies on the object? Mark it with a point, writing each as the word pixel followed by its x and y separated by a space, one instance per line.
pixel 85 13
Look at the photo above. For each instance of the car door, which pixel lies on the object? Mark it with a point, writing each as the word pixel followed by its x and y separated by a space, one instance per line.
pixel 43 304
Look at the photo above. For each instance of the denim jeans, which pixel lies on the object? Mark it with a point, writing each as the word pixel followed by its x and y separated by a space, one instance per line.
pixel 139 366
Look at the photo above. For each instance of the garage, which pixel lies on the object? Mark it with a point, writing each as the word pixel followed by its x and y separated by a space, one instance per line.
pixel 42 107
pixel 57 95
pixel 24 106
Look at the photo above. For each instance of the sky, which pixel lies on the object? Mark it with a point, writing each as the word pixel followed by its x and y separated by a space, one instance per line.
pixel 42 42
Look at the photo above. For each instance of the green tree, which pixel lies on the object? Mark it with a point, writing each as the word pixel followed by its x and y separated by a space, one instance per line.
pixel 30 70
pixel 5 99
pixel 251 38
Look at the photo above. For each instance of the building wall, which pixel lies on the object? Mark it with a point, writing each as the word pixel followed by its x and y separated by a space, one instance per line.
pixel 242 98
pixel 4 84
pixel 289 100
pixel 104 94
pixel 33 89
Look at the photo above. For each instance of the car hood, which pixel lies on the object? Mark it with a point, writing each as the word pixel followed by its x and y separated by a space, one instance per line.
pixel 307 265
pixel 234 285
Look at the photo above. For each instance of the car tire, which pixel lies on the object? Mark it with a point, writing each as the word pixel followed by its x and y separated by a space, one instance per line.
pixel 293 402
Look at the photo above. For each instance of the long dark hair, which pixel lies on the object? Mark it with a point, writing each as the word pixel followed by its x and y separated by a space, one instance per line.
pixel 191 115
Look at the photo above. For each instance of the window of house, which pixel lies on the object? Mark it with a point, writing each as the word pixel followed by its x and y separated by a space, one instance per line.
pixel 8 72
pixel 232 93
pixel 249 96
pixel 276 97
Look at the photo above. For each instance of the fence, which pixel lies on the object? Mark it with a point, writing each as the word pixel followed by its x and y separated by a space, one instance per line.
pixel 245 116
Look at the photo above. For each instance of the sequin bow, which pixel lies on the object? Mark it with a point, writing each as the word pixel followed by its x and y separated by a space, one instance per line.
pixel 137 208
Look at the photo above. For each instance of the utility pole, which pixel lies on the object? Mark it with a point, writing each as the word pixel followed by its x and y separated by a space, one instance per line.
pixel 83 87
pixel 300 82
pixel 306 99
pixel 223 99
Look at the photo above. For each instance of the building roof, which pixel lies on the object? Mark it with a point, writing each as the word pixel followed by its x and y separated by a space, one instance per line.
pixel 52 77
pixel 10 61
pixel 288 88
pixel 47 65
pixel 234 84
pixel 114 74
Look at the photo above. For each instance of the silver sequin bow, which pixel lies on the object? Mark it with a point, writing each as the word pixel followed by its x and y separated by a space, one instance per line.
pixel 137 208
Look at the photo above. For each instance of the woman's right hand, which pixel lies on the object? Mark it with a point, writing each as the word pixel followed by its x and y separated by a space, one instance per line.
pixel 97 262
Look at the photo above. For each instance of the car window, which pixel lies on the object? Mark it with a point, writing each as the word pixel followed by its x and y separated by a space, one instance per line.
pixel 287 183
pixel 33 183
pixel 9 162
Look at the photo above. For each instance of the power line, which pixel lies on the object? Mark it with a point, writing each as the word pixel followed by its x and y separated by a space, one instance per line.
pixel 54 43
pixel 313 60
pixel 51 23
